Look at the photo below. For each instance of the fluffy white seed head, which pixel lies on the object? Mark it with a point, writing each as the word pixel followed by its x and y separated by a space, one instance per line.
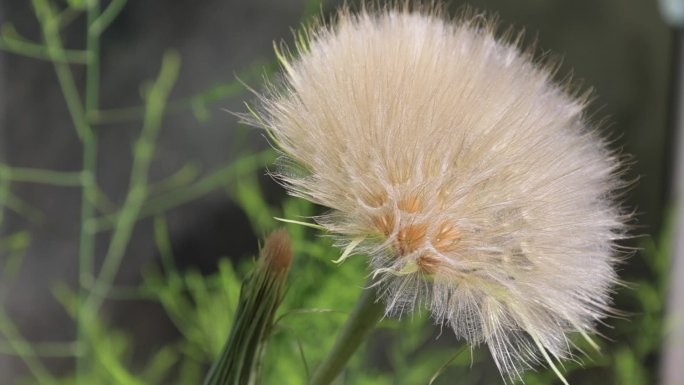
pixel 453 160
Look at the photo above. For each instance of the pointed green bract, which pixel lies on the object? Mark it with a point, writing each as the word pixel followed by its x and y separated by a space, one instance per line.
pixel 240 360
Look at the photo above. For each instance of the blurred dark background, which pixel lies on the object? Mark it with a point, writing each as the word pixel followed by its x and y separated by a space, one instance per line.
pixel 619 49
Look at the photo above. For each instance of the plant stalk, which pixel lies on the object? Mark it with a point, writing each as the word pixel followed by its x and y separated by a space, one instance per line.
pixel 87 236
pixel 365 316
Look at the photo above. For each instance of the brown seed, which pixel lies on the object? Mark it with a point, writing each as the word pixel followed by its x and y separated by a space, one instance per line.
pixel 442 198
pixel 447 238
pixel 374 199
pixel 428 263
pixel 410 237
pixel 397 174
pixel 410 204
pixel 384 223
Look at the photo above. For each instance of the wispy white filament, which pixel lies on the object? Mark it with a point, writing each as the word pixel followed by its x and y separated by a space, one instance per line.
pixel 469 177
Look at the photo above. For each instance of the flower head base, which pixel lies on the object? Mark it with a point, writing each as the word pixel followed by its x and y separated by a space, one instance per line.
pixel 470 179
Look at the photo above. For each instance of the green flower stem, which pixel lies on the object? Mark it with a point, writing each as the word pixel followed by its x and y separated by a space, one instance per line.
pixel 365 316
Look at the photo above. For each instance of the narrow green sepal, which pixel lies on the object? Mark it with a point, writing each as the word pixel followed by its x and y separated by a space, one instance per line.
pixel 240 360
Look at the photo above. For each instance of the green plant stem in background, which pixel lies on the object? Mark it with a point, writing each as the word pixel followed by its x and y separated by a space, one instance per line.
pixel 38 51
pixel 365 316
pixel 243 165
pixel 200 100
pixel 35 175
pixel 24 350
pixel 23 208
pixel 44 349
pixel 99 23
pixel 142 156
pixel 88 193
pixel 49 23
pixel 4 193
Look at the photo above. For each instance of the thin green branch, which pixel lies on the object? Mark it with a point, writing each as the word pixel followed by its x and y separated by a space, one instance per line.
pixel 12 248
pixel 110 13
pixel 114 367
pixel 24 350
pixel 36 175
pixel 90 193
pixel 43 349
pixel 4 192
pixel 130 293
pixel 180 178
pixel 24 209
pixel 15 242
pixel 92 85
pixel 142 156
pixel 68 15
pixel 125 114
pixel 226 175
pixel 102 202
pixel 198 101
pixel 39 51
pixel 49 23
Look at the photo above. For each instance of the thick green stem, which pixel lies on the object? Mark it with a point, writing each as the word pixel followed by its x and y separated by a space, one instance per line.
pixel 365 316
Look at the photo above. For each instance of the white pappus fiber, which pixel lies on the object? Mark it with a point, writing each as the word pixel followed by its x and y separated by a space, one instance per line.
pixel 471 180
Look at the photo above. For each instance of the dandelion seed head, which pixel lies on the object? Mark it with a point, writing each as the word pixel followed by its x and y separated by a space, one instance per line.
pixel 476 183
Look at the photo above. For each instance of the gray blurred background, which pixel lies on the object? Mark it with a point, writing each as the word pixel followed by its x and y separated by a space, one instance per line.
pixel 620 49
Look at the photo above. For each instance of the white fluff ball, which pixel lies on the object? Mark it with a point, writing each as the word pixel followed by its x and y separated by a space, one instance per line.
pixel 471 180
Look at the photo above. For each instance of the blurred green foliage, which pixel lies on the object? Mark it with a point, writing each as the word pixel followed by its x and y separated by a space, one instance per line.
pixel 318 300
